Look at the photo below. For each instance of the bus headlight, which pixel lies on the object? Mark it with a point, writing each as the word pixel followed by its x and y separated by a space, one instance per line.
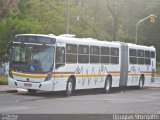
pixel 48 77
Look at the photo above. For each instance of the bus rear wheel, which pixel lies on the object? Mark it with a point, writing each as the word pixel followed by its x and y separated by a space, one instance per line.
pixel 107 86
pixel 69 87
pixel 141 82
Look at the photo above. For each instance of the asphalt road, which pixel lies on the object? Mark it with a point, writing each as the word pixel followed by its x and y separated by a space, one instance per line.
pixel 128 100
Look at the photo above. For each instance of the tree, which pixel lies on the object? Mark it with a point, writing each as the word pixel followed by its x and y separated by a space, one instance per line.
pixel 7 5
pixel 9 28
pixel 115 8
pixel 103 19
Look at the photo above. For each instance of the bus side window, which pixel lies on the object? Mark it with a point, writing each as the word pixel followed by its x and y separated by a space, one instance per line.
pixel 94 54
pixel 105 55
pixel 133 56
pixel 83 54
pixel 71 53
pixel 114 56
pixel 153 54
pixel 141 56
pixel 147 57
pixel 60 56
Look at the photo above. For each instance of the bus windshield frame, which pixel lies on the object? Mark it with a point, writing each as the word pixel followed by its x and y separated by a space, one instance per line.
pixel 32 58
pixel 34 39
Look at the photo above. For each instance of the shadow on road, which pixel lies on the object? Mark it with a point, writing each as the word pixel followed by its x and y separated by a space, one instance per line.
pixel 51 95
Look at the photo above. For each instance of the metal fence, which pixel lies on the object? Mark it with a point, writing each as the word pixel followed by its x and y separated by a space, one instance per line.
pixel 4 68
pixel 2 71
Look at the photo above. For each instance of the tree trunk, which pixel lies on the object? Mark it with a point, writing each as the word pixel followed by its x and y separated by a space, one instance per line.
pixel 115 29
pixel 5 9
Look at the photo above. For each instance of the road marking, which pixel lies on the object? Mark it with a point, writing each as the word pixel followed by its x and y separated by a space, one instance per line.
pixel 14 108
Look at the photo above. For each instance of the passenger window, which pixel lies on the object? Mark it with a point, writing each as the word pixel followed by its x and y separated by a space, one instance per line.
pixel 133 60
pixel 105 55
pixel 114 60
pixel 83 54
pixel 140 53
pixel 147 54
pixel 105 51
pixel 133 56
pixel 132 52
pixel 141 56
pixel 71 48
pixel 147 61
pixel 71 53
pixel 152 54
pixel 94 50
pixel 141 61
pixel 94 54
pixel 114 51
pixel 147 57
pixel 114 56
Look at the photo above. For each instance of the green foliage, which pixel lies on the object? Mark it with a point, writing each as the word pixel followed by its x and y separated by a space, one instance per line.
pixel 23 6
pixel 48 14
pixel 3 80
pixel 103 20
pixel 10 27
pixel 2 2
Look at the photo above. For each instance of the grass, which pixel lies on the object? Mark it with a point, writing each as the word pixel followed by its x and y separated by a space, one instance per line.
pixel 158 69
pixel 3 80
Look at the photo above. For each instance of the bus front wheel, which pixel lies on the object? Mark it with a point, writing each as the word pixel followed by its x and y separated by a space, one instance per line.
pixel 31 91
pixel 107 86
pixel 69 87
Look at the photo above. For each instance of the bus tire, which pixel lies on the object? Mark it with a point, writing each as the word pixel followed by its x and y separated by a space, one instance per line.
pixel 69 87
pixel 141 82
pixel 107 86
pixel 31 91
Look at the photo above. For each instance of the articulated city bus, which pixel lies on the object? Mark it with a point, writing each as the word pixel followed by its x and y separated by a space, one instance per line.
pixel 66 63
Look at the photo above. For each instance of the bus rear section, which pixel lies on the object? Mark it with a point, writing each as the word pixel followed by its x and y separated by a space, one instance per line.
pixel 138 65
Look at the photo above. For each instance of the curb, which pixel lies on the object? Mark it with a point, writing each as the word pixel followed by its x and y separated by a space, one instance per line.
pixel 153 85
pixel 5 88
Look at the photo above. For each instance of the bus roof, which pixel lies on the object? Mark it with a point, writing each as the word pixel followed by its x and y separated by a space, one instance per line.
pixel 131 45
pixel 88 41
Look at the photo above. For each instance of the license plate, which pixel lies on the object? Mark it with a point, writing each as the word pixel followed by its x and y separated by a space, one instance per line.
pixel 27 84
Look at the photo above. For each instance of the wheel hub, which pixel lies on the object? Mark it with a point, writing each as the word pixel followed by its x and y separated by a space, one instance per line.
pixel 108 85
pixel 69 86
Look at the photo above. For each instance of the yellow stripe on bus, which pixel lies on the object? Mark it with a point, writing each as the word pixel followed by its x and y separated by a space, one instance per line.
pixel 27 76
pixel 77 75
pixel 83 76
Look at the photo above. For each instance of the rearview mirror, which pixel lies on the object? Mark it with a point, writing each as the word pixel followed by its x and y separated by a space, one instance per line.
pixel 9 47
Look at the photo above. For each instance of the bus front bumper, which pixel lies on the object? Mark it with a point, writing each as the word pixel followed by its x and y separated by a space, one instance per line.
pixel 45 86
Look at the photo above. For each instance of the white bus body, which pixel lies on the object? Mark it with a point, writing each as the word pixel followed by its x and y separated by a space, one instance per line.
pixel 87 63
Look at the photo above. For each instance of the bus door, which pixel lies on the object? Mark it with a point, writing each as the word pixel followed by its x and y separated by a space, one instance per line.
pixel 124 65
pixel 60 55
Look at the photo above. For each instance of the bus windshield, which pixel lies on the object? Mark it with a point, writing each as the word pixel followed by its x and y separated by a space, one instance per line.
pixel 32 58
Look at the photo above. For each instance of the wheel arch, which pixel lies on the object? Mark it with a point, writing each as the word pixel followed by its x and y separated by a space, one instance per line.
pixel 143 77
pixel 73 77
pixel 110 76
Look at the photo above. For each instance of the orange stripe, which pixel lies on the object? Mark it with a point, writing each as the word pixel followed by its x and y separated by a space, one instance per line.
pixel 66 74
pixel 33 73
pixel 27 76
pixel 63 72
